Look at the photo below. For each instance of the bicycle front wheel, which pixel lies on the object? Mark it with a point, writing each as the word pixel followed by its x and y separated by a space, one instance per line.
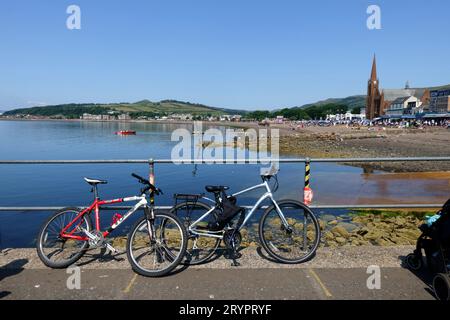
pixel 158 256
pixel 295 244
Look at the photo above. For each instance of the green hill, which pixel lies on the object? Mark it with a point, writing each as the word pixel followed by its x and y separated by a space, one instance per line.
pixel 144 107
pixel 358 101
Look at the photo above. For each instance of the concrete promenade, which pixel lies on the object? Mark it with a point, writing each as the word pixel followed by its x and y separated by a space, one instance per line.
pixel 339 273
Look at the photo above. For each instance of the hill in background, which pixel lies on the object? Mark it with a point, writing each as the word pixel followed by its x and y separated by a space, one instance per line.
pixel 352 102
pixel 140 108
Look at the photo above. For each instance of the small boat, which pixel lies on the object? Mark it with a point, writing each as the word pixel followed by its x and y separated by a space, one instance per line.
pixel 125 132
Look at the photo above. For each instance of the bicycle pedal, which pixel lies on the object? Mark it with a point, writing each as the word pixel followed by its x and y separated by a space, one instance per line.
pixel 110 249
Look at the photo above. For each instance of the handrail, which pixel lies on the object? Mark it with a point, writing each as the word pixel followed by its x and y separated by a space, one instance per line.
pixel 306 161
pixel 225 161
pixel 362 206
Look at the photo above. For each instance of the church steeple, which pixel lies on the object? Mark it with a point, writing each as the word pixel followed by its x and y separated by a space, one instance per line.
pixel 373 75
pixel 407 85
pixel 375 97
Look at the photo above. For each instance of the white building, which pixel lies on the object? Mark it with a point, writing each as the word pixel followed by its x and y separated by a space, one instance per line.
pixel 124 116
pixel 279 119
pixel 347 116
pixel 404 105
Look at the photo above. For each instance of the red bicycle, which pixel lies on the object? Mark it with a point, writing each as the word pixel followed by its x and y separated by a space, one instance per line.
pixel 155 245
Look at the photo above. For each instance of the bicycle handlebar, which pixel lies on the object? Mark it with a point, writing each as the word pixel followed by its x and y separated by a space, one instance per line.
pixel 148 184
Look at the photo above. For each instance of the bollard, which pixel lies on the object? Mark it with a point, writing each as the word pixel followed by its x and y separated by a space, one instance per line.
pixel 307 172
pixel 307 199
pixel 307 192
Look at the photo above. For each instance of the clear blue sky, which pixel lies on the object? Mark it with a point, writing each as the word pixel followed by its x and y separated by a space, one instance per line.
pixel 229 53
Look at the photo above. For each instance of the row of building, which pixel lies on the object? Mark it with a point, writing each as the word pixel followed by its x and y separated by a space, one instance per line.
pixel 105 117
pixel 125 116
pixel 407 102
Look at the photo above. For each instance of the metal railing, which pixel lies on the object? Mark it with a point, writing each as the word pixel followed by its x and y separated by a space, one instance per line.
pixel 305 161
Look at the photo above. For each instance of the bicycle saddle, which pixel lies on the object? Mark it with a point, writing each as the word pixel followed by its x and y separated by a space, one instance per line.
pixel 93 182
pixel 216 188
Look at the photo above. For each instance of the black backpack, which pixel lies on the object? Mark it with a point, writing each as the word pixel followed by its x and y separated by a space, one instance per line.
pixel 226 210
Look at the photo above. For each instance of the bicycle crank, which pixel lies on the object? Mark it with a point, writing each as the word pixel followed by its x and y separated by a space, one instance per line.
pixel 97 240
pixel 232 238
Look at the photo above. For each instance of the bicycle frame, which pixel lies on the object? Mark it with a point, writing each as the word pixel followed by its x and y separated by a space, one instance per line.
pixel 95 206
pixel 267 195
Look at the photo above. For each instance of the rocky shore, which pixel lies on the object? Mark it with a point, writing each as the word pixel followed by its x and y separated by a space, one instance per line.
pixel 371 229
pixel 360 229
pixel 341 142
pixel 361 142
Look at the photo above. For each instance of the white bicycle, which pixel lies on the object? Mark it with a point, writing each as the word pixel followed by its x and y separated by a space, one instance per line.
pixel 288 229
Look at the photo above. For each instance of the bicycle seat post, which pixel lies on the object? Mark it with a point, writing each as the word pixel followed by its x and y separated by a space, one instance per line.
pixel 94 190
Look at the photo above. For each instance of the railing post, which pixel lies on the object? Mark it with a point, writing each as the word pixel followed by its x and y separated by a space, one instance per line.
pixel 151 178
pixel 307 192
pixel 151 175
pixel 307 172
pixel 307 199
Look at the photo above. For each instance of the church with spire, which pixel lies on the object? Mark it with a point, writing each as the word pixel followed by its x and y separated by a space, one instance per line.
pixel 375 98
pixel 378 101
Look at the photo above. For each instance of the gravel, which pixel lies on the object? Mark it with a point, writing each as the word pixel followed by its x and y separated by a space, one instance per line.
pixel 252 258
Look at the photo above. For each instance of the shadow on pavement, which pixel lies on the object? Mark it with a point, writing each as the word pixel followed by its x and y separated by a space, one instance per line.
pixel 101 257
pixel 264 255
pixel 424 274
pixel 11 269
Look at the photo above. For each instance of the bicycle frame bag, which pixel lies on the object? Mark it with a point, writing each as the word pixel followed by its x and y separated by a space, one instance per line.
pixel 226 210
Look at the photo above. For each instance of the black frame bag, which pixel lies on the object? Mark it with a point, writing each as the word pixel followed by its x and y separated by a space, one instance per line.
pixel 226 210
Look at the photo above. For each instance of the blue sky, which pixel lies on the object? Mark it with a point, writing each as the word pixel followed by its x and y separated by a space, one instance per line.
pixel 245 54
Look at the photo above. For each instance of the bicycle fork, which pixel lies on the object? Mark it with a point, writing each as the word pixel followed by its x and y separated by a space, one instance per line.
pixel 150 218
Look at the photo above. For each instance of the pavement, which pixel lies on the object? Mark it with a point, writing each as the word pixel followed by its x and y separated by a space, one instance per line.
pixel 335 273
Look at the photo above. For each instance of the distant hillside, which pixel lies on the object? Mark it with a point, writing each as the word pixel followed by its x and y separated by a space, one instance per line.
pixel 352 102
pixel 144 107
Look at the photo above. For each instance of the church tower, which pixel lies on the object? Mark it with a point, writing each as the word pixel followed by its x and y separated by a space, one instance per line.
pixel 374 101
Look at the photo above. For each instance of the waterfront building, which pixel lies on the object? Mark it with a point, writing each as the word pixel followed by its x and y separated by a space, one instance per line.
pixel 124 116
pixel 404 106
pixel 346 116
pixel 379 101
pixel 440 101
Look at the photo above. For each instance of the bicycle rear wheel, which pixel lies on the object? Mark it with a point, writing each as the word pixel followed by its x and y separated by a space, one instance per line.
pixel 160 256
pixel 295 244
pixel 55 251
pixel 200 248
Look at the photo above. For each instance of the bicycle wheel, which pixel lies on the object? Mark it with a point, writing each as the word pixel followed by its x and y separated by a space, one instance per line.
pixel 55 251
pixel 200 248
pixel 295 244
pixel 164 253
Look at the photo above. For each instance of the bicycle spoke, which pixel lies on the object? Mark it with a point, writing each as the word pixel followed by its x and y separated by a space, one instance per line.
pixel 55 250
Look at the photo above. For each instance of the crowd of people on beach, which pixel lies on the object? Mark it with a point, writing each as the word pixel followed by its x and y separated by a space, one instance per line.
pixel 419 124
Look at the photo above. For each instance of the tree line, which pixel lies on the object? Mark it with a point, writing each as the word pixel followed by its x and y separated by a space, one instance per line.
pixel 315 112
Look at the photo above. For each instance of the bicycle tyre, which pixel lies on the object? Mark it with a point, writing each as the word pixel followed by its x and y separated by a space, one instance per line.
pixel 265 242
pixel 39 241
pixel 189 261
pixel 157 273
